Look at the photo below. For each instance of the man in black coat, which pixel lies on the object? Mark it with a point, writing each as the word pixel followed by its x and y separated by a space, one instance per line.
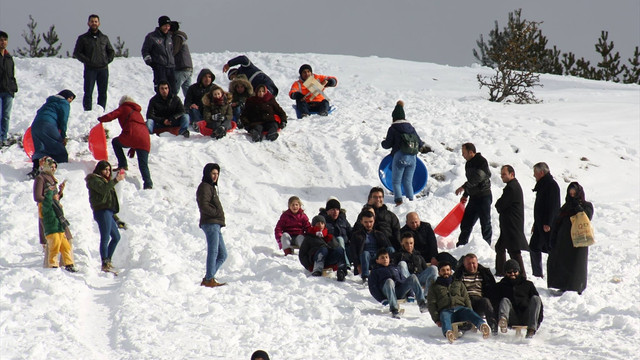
pixel 365 244
pixel 510 206
pixel 424 237
pixel 157 52
pixel 319 250
pixel 545 211
pixel 386 221
pixel 518 301
pixel 193 98
pixel 411 262
pixel 479 283
pixel 478 187
pixel 8 87
pixel 166 110
pixel 94 50
pixel 338 225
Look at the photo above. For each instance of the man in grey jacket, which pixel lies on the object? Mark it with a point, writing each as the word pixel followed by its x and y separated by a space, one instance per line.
pixel 94 50
pixel 157 52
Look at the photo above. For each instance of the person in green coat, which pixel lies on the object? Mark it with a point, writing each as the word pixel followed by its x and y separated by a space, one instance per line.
pixel 104 203
pixel 54 224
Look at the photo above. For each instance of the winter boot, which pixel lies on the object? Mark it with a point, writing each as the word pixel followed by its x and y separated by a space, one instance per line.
pixel 70 268
pixel 530 333
pixel 423 306
pixel 502 324
pixel 342 274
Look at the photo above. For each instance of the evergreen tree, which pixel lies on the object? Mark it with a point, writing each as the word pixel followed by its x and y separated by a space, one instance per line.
pixel 120 51
pixel 33 41
pixel 51 38
pixel 609 67
pixel 632 73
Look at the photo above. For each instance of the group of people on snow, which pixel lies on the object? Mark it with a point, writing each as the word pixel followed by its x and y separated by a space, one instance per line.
pixel 395 262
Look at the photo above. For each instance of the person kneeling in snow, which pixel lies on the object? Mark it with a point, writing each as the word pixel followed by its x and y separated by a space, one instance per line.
pixel 449 302
pixel 388 282
pixel 319 250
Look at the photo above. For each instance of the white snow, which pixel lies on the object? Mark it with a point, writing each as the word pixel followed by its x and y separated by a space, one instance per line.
pixel 156 309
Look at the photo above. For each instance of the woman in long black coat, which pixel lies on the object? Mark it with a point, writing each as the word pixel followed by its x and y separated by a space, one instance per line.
pixel 567 265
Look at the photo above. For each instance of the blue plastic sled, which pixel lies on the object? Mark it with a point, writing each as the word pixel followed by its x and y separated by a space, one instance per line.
pixel 420 176
pixel 299 115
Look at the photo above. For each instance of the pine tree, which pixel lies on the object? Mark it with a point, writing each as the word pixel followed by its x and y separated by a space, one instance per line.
pixel 51 38
pixel 609 67
pixel 120 51
pixel 33 41
pixel 632 74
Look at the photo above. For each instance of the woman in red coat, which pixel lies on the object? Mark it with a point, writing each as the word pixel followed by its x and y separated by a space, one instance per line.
pixel 134 135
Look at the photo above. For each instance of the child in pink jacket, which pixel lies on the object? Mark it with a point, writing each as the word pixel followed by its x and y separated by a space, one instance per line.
pixel 292 226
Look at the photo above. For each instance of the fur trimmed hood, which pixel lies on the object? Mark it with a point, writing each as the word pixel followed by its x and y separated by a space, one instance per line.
pixel 207 99
pixel 241 79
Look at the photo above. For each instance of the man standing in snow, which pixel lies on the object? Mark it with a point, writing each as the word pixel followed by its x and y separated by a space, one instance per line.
pixel 182 58
pixel 478 187
pixel 94 50
pixel 157 52
pixel 8 87
pixel 510 206
pixel 545 211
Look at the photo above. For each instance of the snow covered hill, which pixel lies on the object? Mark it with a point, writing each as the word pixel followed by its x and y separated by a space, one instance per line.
pixel 586 131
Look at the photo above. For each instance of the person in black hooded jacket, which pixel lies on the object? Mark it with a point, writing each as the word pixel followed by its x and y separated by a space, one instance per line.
pixel 211 222
pixel 193 98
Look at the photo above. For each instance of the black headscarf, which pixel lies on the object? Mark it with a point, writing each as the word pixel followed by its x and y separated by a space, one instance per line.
pixel 206 173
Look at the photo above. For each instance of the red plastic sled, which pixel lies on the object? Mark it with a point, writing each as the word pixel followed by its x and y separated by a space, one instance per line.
pixel 27 143
pixel 98 143
pixel 204 130
pixel 451 221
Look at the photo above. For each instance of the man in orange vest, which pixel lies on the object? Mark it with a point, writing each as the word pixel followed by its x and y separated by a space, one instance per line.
pixel 308 92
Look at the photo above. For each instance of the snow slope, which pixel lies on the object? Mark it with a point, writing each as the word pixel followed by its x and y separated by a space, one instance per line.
pixel 586 131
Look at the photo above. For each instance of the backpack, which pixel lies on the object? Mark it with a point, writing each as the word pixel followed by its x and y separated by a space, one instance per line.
pixel 410 143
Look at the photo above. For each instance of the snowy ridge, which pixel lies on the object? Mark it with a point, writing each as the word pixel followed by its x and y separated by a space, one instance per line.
pixel 155 308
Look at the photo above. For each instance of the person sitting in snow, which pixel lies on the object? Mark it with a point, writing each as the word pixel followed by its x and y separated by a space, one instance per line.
pixel 449 302
pixel 311 98
pixel 517 300
pixel 262 113
pixel 240 89
pixel 479 283
pixel 410 262
pixel 193 98
pixel 424 237
pixel 338 225
pixel 217 111
pixel 291 226
pixel 250 71
pixel 166 110
pixel 319 249
pixel 388 282
pixel 366 242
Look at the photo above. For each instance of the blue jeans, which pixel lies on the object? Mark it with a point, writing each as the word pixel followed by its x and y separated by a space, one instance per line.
pixel 6 100
pixel 402 169
pixel 303 107
pixel 216 251
pixel 392 290
pixel 457 314
pixel 340 240
pixel 91 77
pixel 183 80
pixel 365 260
pixel 108 228
pixel 194 115
pixel 143 161
pixel 326 256
pixel 182 122
pixel 426 277
pixel 477 207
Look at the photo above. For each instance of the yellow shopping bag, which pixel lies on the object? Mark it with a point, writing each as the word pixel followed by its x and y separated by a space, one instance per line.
pixel 581 230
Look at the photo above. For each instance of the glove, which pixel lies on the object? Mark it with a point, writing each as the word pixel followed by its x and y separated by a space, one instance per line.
pixel 319 234
pixel 297 96
pixel 147 60
pixel 217 117
pixel 425 149
pixel 131 153
pixel 282 124
pixel 121 224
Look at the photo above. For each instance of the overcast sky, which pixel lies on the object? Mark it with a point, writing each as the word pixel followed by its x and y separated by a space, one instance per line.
pixel 442 32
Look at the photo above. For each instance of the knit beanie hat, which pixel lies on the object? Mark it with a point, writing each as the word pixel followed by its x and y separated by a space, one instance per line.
pixel 304 67
pixel 164 19
pixel 511 265
pixel 398 111
pixel 66 93
pixel 318 219
pixel 332 204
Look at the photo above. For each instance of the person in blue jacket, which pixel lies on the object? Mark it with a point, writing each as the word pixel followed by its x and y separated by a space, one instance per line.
pixel 252 72
pixel 404 161
pixel 49 129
